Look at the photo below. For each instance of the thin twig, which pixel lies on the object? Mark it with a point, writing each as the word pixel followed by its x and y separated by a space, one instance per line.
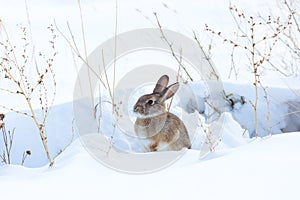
pixel 171 47
pixel 76 51
pixel 85 51
pixel 206 57
pixel 177 79
pixel 115 54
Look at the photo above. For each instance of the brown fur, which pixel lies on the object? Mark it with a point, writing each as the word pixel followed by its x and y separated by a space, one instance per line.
pixel 158 125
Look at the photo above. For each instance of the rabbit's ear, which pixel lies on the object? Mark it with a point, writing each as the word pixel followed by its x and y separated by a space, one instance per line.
pixel 161 84
pixel 170 91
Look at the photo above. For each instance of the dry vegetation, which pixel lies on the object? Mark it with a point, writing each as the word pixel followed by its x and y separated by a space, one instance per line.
pixel 8 139
pixel 256 37
pixel 28 77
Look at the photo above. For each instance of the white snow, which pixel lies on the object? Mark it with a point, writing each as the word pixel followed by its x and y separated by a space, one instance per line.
pixel 241 167
pixel 264 169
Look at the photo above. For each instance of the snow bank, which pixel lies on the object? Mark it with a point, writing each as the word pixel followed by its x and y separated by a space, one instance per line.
pixel 264 169
pixel 234 126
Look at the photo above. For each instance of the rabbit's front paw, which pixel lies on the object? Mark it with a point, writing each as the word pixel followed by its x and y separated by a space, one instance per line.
pixel 153 147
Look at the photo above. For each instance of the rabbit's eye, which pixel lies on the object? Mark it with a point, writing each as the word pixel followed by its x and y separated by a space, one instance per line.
pixel 151 102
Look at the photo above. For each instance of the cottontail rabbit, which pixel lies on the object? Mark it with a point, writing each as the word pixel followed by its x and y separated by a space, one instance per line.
pixel 163 130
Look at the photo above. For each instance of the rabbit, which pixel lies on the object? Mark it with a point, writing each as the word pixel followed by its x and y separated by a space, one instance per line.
pixel 163 130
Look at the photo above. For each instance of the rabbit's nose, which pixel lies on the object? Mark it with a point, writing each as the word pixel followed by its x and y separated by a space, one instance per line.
pixel 137 108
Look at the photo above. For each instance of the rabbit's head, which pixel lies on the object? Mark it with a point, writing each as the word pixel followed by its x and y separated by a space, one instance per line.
pixel 151 105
